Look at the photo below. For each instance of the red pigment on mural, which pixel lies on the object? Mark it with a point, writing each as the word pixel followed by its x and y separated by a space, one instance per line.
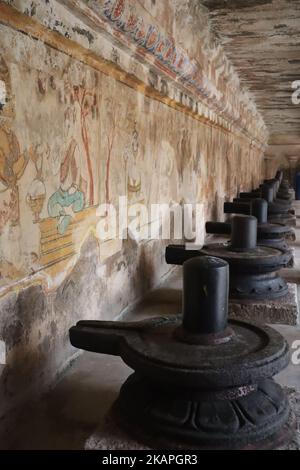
pixel 10 211
pixel 82 97
pixel 110 136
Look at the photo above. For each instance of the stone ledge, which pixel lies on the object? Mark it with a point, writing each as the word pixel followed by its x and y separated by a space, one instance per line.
pixel 111 437
pixel 284 311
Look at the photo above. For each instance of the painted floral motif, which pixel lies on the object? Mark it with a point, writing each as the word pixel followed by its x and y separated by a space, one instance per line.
pixel 147 36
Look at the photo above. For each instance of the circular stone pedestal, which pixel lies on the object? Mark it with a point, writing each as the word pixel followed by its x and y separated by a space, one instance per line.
pixel 227 419
pixel 115 435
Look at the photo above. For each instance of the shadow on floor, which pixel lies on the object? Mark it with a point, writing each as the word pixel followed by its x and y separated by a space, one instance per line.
pixel 66 417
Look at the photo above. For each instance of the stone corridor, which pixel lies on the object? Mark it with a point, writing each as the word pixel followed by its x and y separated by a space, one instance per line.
pixel 125 127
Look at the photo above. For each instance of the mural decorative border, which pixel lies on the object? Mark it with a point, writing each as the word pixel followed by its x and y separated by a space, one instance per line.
pixel 163 47
pixel 172 59
pixel 148 36
pixel 9 16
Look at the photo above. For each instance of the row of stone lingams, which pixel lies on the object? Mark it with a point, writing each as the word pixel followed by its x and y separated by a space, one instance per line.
pixel 202 380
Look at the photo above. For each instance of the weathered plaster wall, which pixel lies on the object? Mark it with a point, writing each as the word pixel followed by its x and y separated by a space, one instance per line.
pixel 101 99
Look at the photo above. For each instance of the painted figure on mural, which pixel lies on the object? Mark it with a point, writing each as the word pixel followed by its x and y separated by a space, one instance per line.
pixel 86 100
pixel 113 112
pixel 76 190
pixel 69 198
pixel 185 155
pixel 12 167
pixel 134 183
pixel 167 175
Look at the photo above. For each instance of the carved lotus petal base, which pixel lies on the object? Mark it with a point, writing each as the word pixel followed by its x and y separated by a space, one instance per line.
pixel 232 418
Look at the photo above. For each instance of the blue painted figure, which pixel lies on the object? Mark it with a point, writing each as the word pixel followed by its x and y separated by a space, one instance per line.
pixel 70 197
pixel 59 201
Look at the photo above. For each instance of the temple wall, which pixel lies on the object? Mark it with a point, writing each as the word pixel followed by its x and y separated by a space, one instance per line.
pixel 102 99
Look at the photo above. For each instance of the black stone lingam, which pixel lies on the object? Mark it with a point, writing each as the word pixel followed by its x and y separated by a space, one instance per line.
pixel 253 268
pixel 284 187
pixel 279 210
pixel 279 176
pixel 199 380
pixel 270 234
pixel 284 192
pixel 277 213
pixel 267 234
pixel 266 192
pixel 285 200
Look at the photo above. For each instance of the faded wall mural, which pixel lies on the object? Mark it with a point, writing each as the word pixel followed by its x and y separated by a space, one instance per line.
pixel 49 166
pixel 71 138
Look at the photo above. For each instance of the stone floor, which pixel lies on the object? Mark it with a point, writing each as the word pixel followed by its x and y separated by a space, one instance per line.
pixel 66 417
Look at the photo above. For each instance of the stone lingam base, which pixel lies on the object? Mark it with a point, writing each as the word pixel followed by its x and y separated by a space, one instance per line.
pixel 291 220
pixel 111 437
pixel 284 310
pixel 290 236
pixel 291 263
